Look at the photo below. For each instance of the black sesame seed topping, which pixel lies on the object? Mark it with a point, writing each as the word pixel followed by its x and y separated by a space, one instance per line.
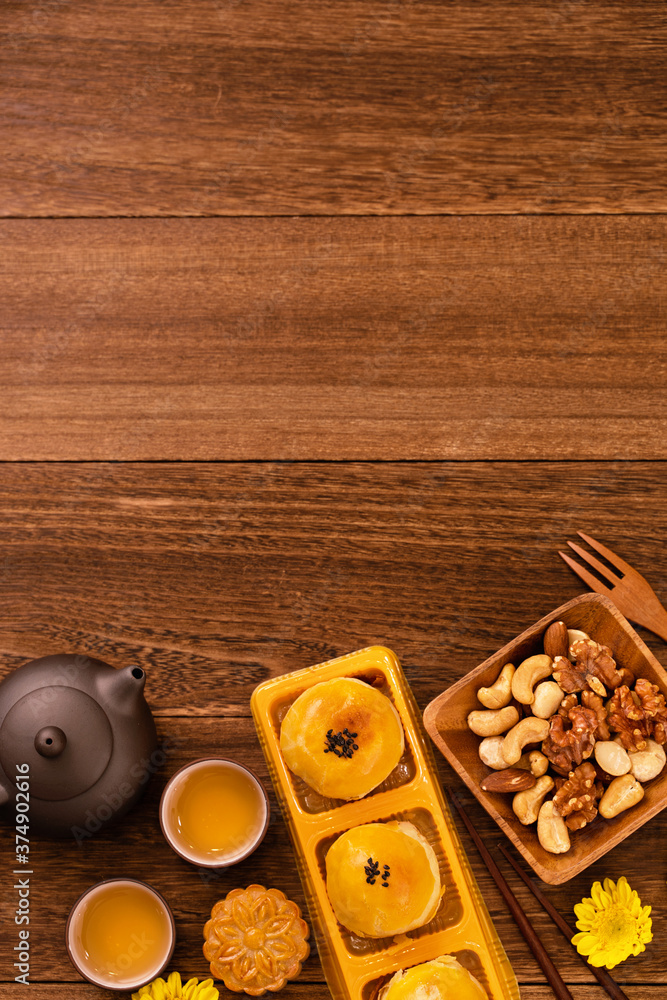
pixel 372 870
pixel 342 744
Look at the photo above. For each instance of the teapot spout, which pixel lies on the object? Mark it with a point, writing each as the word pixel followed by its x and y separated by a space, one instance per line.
pixel 122 688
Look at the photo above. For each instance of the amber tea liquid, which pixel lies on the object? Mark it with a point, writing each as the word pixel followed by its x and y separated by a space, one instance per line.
pixel 120 934
pixel 214 812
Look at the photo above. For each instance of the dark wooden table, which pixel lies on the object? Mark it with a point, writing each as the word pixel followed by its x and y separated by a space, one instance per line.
pixel 323 324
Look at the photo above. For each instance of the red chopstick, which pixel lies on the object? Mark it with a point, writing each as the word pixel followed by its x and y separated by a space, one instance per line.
pixel 523 923
pixel 606 982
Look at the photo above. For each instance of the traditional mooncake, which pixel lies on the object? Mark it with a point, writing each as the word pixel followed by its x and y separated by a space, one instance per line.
pixel 441 979
pixel 383 879
pixel 256 940
pixel 343 737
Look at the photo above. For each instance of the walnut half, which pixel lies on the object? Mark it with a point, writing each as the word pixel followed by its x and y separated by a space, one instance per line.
pixel 567 748
pixel 576 799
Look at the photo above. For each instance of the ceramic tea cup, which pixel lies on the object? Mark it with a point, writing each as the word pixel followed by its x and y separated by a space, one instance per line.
pixel 214 812
pixel 120 934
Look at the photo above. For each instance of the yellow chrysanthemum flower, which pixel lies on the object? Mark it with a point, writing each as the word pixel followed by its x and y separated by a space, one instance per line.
pixel 173 989
pixel 613 924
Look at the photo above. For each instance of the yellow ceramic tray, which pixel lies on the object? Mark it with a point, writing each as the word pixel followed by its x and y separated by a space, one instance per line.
pixel 356 967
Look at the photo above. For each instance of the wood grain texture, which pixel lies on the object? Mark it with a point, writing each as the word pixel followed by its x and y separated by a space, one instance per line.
pixel 62 870
pixel 215 577
pixel 445 720
pixel 632 594
pixel 226 107
pixel 318 991
pixel 461 338
pixel 315 991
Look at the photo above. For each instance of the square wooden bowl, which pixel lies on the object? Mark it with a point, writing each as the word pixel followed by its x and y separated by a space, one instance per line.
pixel 445 720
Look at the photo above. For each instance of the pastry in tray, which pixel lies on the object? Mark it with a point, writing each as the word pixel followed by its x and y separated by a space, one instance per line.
pixel 383 879
pixel 343 737
pixel 256 940
pixel 406 790
pixel 440 979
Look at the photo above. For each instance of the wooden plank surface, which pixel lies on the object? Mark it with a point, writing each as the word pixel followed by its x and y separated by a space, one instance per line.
pixel 494 338
pixel 315 991
pixel 137 850
pixel 256 107
pixel 215 577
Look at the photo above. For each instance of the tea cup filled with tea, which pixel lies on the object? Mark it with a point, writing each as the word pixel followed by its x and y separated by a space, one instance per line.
pixel 214 812
pixel 120 934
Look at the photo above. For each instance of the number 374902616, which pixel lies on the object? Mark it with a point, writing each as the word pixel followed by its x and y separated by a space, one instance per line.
pixel 22 813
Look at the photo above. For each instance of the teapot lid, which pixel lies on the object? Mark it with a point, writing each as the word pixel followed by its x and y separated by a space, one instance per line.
pixel 64 737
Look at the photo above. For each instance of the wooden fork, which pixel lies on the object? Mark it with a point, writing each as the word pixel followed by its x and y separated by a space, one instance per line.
pixel 631 593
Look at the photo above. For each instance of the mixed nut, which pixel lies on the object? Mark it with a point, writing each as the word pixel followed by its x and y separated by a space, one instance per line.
pixel 600 732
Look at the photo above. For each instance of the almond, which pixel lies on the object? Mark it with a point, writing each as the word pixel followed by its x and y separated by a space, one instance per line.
pixel 512 779
pixel 555 640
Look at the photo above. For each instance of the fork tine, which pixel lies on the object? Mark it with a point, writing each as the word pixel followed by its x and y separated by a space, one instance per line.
pixel 596 564
pixel 608 554
pixel 587 577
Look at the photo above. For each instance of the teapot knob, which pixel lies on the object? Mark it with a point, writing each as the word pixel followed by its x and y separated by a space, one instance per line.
pixel 50 741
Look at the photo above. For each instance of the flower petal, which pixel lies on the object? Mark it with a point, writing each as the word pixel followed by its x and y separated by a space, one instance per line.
pixel 174 984
pixel 159 990
pixel 208 992
pixel 585 943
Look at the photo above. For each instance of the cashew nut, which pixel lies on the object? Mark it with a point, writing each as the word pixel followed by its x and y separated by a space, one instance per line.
pixel 622 793
pixel 574 635
pixel 526 805
pixel 534 761
pixel 530 730
pixel 493 723
pixel 491 752
pixel 552 833
pixel 611 757
pixel 548 696
pixel 647 764
pixel 500 693
pixel 528 673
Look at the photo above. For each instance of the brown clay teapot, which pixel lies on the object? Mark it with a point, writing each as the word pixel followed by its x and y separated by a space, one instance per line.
pixel 88 739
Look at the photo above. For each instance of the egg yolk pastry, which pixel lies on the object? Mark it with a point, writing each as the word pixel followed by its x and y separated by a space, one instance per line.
pixel 383 879
pixel 343 737
pixel 441 979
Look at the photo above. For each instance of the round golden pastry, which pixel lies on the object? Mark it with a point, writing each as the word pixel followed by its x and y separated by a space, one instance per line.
pixel 256 940
pixel 442 979
pixel 383 879
pixel 343 737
